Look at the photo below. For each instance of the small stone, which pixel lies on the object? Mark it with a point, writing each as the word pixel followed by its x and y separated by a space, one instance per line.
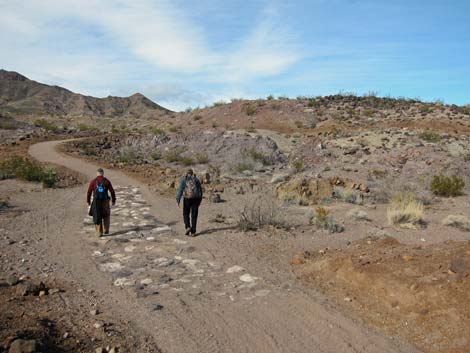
pixel 42 293
pixel 100 350
pixel 94 312
pixel 407 258
pixel 98 325
pixel 12 281
pixel 66 335
pixel 347 299
pixel 24 346
pixel 54 291
pixel 157 307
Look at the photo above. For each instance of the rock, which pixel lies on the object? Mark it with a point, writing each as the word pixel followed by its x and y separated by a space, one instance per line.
pixel 24 346
pixel 278 178
pixel 112 350
pixel 298 259
pixel 460 266
pixel 157 307
pixel 98 325
pixel 215 198
pixel 100 350
pixel 94 312
pixel 407 258
pixel 12 281
pixel 66 335
pixel 347 299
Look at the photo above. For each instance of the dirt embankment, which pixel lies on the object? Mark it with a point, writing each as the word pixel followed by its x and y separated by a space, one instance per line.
pixel 418 292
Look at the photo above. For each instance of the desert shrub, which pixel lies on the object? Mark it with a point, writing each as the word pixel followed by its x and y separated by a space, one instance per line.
pixel 298 165
pixel 249 109
pixel 257 156
pixel 186 161
pixel 348 195
pixel 442 185
pixel 377 174
pixel 3 205
pixel 459 222
pixel 8 124
pixel 430 136
pixel 156 155
pixel 157 131
pixel 270 97
pixel 173 156
pixel 243 166
pixel 25 169
pixel 173 129
pixel 250 129
pixel 358 214
pixel 322 219
pixel 197 117
pixel 299 124
pixel 466 157
pixel 46 125
pixel 86 128
pixel 259 212
pixel 202 158
pixel 127 155
pixel 405 210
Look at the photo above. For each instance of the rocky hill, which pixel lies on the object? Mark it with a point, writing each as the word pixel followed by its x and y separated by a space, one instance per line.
pixel 22 96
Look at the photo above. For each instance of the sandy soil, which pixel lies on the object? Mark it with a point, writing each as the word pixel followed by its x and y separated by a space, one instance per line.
pixel 222 291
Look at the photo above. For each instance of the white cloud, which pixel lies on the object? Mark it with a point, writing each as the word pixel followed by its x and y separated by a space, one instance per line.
pixel 92 46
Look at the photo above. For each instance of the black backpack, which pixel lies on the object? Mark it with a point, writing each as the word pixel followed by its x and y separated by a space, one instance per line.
pixel 101 192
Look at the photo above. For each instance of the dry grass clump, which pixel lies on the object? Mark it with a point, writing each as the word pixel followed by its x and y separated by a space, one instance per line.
pixel 405 210
pixel 358 214
pixel 459 222
pixel 323 220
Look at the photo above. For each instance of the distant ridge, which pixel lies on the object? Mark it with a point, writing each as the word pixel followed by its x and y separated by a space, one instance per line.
pixel 22 96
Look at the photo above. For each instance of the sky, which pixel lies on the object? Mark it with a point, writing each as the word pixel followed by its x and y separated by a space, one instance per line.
pixel 194 53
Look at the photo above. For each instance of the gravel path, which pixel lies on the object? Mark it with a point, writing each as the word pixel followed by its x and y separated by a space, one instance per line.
pixel 203 294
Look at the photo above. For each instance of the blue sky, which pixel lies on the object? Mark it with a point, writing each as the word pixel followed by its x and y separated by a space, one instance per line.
pixel 193 53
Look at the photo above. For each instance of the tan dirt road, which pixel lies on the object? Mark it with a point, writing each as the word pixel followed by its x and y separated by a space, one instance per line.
pixel 212 293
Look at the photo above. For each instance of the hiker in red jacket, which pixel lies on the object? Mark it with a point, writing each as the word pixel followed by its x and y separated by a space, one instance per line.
pixel 100 209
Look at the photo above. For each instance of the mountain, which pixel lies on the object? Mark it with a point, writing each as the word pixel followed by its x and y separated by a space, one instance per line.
pixel 22 96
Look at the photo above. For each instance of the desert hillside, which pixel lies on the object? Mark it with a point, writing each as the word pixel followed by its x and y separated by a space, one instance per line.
pixel 22 96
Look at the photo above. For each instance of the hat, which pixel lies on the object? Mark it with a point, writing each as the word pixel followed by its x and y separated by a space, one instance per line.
pixel 100 170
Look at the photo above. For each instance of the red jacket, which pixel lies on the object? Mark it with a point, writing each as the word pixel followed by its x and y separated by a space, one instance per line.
pixel 106 183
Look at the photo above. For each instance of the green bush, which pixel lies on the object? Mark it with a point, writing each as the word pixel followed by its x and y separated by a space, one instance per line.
pixel 242 166
pixel 173 156
pixel 8 124
pixel 249 109
pixel 442 185
pixel 430 136
pixel 87 128
pixel 270 97
pixel 157 131
pixel 46 125
pixel 298 165
pixel 24 169
pixel 257 156
pixel 322 220
pixel 3 205
pixel 186 161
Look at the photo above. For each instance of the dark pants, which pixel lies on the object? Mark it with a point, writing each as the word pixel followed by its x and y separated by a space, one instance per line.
pixel 191 206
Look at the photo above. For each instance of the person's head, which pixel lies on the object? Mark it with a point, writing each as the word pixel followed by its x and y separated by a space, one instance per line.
pixel 100 172
pixel 189 172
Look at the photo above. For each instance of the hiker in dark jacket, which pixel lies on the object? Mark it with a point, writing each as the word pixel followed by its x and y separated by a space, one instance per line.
pixel 191 191
pixel 100 208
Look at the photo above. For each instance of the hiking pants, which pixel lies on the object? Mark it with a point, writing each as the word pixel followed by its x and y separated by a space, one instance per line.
pixel 191 206
pixel 104 218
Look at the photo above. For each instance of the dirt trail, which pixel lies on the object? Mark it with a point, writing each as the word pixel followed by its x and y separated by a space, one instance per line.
pixel 203 294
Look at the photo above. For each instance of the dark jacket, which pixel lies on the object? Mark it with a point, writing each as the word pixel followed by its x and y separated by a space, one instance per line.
pixel 182 186
pixel 106 183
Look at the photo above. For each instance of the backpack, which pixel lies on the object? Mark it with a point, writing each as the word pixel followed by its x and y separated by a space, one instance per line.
pixel 101 192
pixel 192 189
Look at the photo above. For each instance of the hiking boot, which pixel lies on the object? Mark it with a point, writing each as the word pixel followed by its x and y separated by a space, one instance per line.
pixel 188 230
pixel 193 234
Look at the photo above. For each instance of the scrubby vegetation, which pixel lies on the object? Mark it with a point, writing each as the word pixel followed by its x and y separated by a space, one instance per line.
pixel 259 212
pixel 442 185
pixel 430 136
pixel 25 169
pixel 405 210
pixel 46 125
pixel 459 222
pixel 322 219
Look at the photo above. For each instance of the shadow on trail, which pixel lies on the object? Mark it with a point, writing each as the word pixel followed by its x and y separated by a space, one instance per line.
pixel 214 230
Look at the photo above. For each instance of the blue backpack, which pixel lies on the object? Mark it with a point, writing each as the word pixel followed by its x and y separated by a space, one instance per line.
pixel 101 192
